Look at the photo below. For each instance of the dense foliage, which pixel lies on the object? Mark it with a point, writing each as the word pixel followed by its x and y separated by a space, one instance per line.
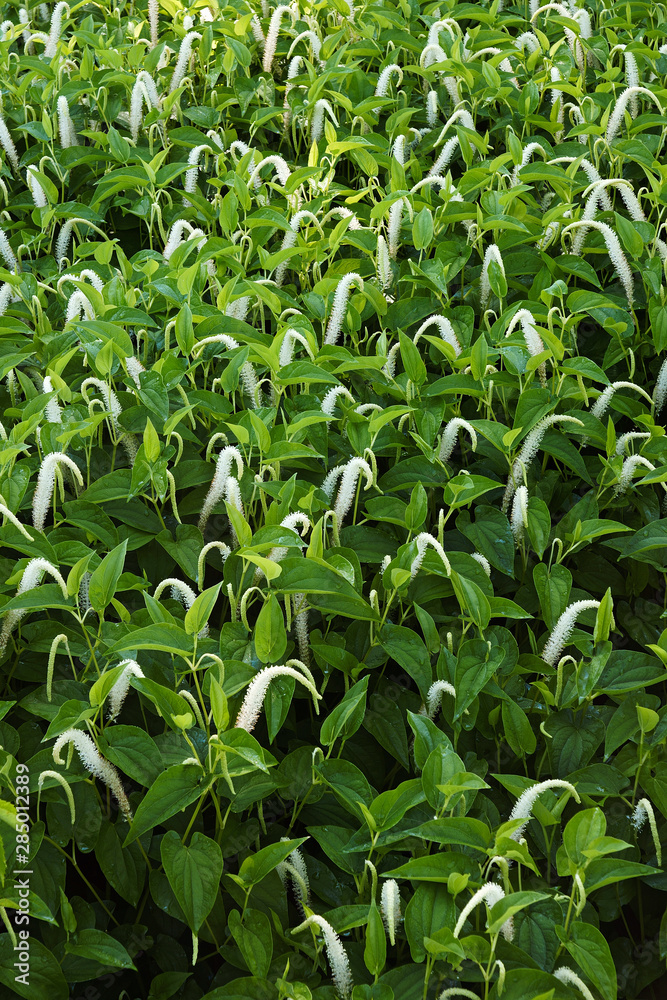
pixel 332 485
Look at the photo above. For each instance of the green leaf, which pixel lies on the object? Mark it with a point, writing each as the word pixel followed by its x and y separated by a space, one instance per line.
pixel 590 950
pixel 173 791
pixel 42 978
pixel 194 872
pixel 104 579
pixel 269 635
pixel 347 716
pixel 100 947
pixel 253 934
pixel 259 865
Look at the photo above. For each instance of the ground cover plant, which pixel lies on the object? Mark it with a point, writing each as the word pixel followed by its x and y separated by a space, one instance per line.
pixel 333 492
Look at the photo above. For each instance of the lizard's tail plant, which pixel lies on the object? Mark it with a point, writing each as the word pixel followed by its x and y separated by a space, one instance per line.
pixel 434 698
pixel 176 236
pixel 384 81
pixel 332 397
pixel 294 870
pixel 66 128
pixel 8 515
pixel 563 630
pixel 118 692
pixel 290 339
pixel 55 30
pixel 519 518
pixel 601 404
pixel 7 253
pixel 660 391
pixel 256 692
pixel 383 264
pixel 533 341
pixel 35 188
pixel 570 978
pixel 290 238
pixel 532 147
pixel 339 964
pixel 490 893
pixel 79 307
pixel 184 54
pixel 390 908
pixel 618 111
pixel 272 34
pixel 144 93
pixel 227 457
pixel 31 578
pixel 339 309
pixel 46 480
pixel 93 761
pixel 394 227
pixel 351 472
pixel 190 182
pixel 317 119
pixel 182 592
pixel 628 470
pixel 450 435
pixel 644 811
pixel 492 253
pixel 52 410
pixel 292 522
pixel 315 45
pixel 7 144
pixel 523 807
pixel 112 404
pixel 423 541
pixel 153 15
pixel 444 159
pixel 529 450
pixel 624 440
pixel 445 329
pixel 282 172
pixel 293 71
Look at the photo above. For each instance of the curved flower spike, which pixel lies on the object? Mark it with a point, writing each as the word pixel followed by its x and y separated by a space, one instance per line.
pixel 340 301
pixel 384 80
pixel 616 116
pixel 601 404
pixel 227 457
pixel 337 958
pixel 348 486
pixel 434 698
pixel 534 342
pixel 32 577
pixel 519 519
pixel 523 807
pixel 183 58
pixel 93 761
pixel 563 630
pixel 490 893
pixel 46 481
pixel 570 978
pixel 492 253
pixel 254 696
pixel 390 907
pixel 616 255
pixel 445 329
pixel 118 692
pixel 290 338
pixel 272 34
pixel 449 435
pixel 529 450
pixel 423 540
pixel 332 396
